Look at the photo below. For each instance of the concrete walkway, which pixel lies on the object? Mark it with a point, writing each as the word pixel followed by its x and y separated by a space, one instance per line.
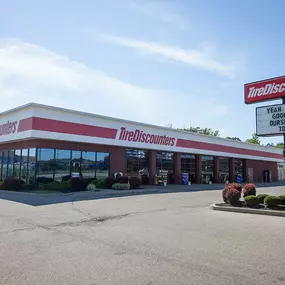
pixel 36 199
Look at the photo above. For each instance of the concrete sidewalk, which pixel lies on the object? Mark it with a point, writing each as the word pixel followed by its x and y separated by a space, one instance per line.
pixel 36 199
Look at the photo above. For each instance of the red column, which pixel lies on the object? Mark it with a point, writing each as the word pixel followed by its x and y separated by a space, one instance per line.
pixel 245 171
pixel 152 166
pixel 217 178
pixel 177 168
pixel 232 170
pixel 118 160
pixel 198 169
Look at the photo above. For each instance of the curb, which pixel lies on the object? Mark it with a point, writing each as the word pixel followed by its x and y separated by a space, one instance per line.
pixel 217 207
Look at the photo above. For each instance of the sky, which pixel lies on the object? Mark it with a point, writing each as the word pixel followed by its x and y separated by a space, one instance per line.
pixel 181 62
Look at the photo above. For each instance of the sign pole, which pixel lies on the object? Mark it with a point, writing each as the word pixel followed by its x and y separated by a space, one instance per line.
pixel 283 102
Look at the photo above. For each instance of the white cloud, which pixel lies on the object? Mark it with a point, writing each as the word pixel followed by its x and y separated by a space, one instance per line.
pixel 30 73
pixel 201 58
pixel 165 12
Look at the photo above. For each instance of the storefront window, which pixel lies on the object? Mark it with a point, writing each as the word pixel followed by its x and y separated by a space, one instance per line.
pixel 45 164
pixel 1 163
pixel 76 161
pixel 207 169
pixel 24 164
pixel 165 165
pixel 17 163
pixel 102 165
pixel 188 165
pixel 239 166
pixel 5 164
pixel 88 164
pixel 224 169
pixel 31 165
pixel 62 165
pixel 10 162
pixel 138 164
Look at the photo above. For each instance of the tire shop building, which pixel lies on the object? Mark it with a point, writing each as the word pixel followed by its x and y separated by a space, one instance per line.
pixel 38 141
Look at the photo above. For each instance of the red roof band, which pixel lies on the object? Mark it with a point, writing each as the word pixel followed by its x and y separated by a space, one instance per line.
pixel 56 126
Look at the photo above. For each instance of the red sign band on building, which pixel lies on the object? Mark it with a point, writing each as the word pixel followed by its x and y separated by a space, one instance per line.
pixel 264 90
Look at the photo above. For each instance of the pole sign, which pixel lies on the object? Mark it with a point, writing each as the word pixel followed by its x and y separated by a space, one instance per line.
pixel 264 90
pixel 270 120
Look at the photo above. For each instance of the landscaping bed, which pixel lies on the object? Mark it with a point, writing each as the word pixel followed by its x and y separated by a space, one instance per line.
pixel 251 203
pixel 73 184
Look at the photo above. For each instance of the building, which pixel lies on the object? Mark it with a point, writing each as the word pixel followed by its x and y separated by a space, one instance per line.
pixel 38 142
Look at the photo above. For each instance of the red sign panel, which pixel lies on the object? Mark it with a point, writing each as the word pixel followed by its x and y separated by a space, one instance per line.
pixel 264 90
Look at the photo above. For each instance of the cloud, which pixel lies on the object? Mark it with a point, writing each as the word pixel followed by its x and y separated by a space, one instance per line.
pixel 31 73
pixel 165 12
pixel 201 58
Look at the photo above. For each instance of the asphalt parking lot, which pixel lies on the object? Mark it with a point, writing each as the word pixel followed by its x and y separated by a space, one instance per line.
pixel 172 238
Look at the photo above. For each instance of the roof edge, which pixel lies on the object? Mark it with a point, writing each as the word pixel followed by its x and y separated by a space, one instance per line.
pixel 32 104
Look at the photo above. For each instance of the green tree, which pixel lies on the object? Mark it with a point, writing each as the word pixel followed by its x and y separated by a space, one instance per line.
pixel 280 145
pixel 234 138
pixel 254 139
pixel 205 131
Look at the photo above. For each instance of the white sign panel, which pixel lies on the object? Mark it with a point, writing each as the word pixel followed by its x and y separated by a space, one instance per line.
pixel 270 120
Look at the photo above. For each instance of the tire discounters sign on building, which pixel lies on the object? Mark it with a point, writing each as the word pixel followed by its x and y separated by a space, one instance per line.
pixel 270 120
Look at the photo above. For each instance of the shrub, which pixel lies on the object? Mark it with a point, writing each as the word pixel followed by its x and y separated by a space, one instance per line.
pixel 135 182
pixel 249 190
pixel 88 181
pixel 11 184
pixel 40 186
pixel 232 196
pixel 282 197
pixel 122 180
pixel 77 184
pixel 65 178
pixel 251 201
pixel 94 181
pixel 236 186
pixel 27 187
pixel 101 184
pixel 120 186
pixel 63 186
pixel 224 193
pixel 109 181
pixel 44 180
pixel 90 187
pixel 261 198
pixel 272 201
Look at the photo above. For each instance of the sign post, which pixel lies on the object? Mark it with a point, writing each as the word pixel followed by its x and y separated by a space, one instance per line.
pixel 270 120
pixel 283 101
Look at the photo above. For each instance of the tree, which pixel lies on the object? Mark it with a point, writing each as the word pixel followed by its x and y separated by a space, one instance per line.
pixel 234 138
pixel 205 131
pixel 254 139
pixel 271 144
pixel 280 145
